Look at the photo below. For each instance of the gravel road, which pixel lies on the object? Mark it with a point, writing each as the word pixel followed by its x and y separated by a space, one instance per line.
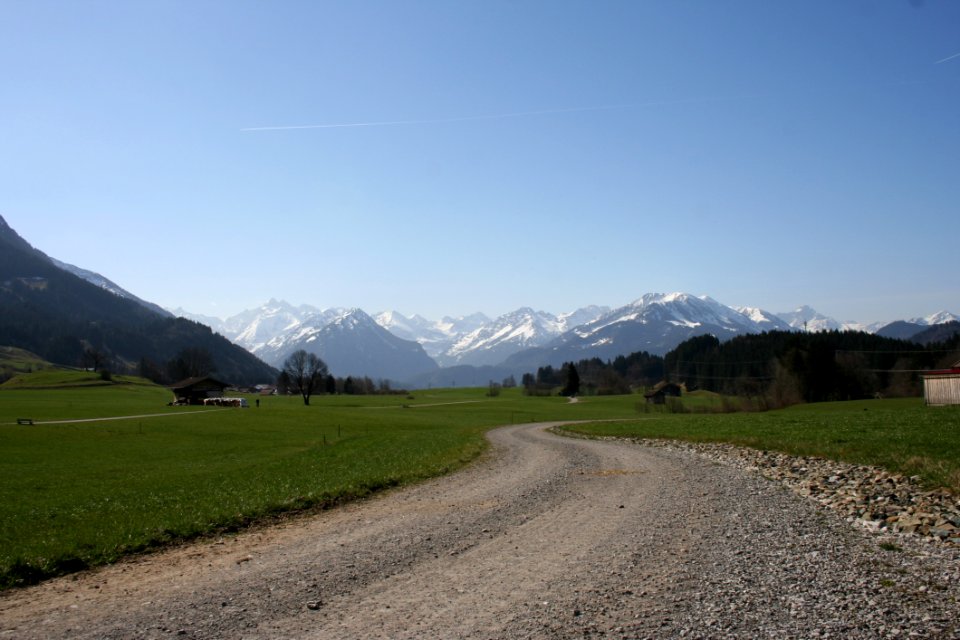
pixel 546 537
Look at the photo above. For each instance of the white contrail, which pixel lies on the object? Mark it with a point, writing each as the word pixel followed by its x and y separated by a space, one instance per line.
pixel 956 55
pixel 497 116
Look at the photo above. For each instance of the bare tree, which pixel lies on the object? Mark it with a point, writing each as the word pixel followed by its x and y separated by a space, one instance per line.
pixel 191 362
pixel 785 388
pixel 93 359
pixel 306 373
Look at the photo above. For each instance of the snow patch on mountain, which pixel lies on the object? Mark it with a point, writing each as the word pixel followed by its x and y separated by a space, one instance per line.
pixel 435 337
pixel 496 340
pixel 107 285
pixel 583 315
pixel 763 318
pixel 460 325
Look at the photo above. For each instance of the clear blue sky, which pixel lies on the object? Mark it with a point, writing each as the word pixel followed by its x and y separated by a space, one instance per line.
pixel 551 154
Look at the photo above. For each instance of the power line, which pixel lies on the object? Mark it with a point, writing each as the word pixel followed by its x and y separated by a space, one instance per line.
pixel 723 362
pixel 698 377
pixel 897 351
pixel 901 370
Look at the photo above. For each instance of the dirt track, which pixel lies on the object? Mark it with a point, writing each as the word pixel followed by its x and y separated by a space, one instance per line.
pixel 546 537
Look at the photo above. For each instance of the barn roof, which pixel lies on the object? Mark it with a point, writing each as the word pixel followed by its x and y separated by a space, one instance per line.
pixel 662 387
pixel 953 371
pixel 192 382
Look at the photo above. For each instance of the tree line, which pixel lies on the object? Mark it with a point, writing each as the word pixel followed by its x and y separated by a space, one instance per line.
pixel 593 376
pixel 779 367
pixel 789 367
pixel 306 374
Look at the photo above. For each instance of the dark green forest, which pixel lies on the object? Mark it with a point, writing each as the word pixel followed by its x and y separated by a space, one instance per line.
pixel 781 367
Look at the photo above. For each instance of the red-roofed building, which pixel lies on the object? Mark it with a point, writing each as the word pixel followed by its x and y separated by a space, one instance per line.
pixel 942 387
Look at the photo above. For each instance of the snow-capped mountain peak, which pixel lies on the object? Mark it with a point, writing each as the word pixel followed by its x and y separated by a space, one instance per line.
pixel 436 337
pixel 478 340
pixel 412 328
pixel 654 323
pixel 522 339
pixel 679 309
pixel 940 317
pixel 352 344
pixel 351 318
pixel 583 315
pixel 491 343
pixel 768 320
pixel 805 318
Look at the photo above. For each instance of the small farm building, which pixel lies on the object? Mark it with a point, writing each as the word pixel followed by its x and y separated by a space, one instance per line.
pixel 942 387
pixel 196 390
pixel 663 390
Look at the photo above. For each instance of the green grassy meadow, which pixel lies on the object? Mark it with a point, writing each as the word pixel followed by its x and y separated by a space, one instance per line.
pixel 20 360
pixel 94 484
pixel 77 494
pixel 901 435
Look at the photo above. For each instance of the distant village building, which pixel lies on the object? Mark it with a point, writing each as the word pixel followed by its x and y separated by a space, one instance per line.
pixel 942 387
pixel 196 390
pixel 663 390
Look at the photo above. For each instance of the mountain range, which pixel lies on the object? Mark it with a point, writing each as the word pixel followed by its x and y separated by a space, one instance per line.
pixel 475 349
pixel 58 310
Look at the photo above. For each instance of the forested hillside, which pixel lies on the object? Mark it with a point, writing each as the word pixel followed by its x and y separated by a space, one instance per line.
pixel 69 321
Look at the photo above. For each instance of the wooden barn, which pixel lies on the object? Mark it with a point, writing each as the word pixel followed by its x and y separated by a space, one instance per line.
pixel 196 390
pixel 942 387
pixel 663 390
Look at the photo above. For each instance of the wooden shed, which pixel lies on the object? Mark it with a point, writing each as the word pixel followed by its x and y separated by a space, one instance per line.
pixel 196 390
pixel 663 390
pixel 942 387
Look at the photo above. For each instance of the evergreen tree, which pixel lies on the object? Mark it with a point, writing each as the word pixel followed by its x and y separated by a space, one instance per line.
pixel 571 385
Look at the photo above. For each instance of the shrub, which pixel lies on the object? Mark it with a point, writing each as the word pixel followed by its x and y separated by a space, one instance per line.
pixel 675 405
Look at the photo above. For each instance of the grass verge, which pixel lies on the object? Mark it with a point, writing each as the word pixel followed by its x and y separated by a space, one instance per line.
pixel 901 435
